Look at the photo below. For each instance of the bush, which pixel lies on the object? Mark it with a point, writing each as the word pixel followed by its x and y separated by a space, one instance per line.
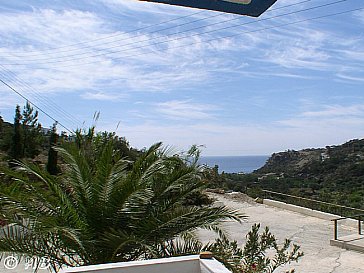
pixel 252 258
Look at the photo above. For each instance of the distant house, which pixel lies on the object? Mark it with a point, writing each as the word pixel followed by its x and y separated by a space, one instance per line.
pixel 325 155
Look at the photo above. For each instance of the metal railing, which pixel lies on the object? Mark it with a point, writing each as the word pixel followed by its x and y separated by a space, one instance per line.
pixel 340 210
pixel 359 216
pixel 346 212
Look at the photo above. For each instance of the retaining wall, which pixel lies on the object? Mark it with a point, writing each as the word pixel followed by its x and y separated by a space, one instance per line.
pixel 310 212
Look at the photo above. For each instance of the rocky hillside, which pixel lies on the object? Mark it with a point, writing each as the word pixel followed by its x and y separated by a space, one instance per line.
pixel 341 161
pixel 291 161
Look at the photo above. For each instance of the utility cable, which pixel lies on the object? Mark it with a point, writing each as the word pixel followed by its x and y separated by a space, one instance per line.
pixel 45 105
pixel 45 101
pixel 258 30
pixel 36 106
pixel 229 36
pixel 169 35
pixel 178 38
pixel 117 35
pixel 156 31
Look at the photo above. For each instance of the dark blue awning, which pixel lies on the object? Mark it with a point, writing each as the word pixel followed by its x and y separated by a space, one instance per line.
pixel 242 7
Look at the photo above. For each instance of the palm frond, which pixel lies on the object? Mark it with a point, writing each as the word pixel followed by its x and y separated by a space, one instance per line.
pixel 104 208
pixel 181 219
pixel 78 175
pixel 177 247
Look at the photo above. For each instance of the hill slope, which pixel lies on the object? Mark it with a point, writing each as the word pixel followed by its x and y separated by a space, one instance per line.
pixel 333 174
pixel 346 160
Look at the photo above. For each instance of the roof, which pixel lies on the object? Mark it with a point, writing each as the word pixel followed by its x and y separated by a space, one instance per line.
pixel 242 7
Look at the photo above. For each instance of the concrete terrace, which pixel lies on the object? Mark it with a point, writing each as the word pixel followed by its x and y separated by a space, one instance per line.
pixel 311 233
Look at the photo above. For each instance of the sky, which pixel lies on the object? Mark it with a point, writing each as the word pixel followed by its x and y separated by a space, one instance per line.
pixel 233 84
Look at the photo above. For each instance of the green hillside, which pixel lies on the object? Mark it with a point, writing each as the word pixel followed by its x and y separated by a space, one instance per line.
pixel 333 174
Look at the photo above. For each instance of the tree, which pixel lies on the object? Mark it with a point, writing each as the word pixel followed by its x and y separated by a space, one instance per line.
pixel 6 136
pixel 17 147
pixel 32 131
pixel 120 144
pixel 104 208
pixel 52 153
pixel 215 180
pixel 1 124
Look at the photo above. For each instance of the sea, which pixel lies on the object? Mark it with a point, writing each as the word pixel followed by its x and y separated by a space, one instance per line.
pixel 235 164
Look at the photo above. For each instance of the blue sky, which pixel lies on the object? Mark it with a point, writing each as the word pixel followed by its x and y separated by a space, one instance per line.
pixel 253 88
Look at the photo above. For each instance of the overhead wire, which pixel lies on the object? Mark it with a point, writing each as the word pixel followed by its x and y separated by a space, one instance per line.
pixel 213 39
pixel 174 39
pixel 169 35
pixel 12 77
pixel 35 105
pixel 25 54
pixel 229 36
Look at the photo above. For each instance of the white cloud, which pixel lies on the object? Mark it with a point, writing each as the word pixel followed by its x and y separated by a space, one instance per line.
pixel 46 28
pixel 185 110
pixel 327 125
pixel 354 53
pixel 222 139
pixel 165 63
pixel 359 15
pixel 130 66
pixel 311 47
pixel 349 78
pixel 304 48
pixel 330 124
pixel 8 100
pixel 102 96
pixel 299 57
pixel 333 111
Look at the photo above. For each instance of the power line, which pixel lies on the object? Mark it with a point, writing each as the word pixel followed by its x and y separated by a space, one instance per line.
pixel 40 109
pixel 117 35
pixel 47 102
pixel 169 35
pixel 236 34
pixel 178 38
pixel 156 31
pixel 267 28
pixel 12 76
pixel 232 35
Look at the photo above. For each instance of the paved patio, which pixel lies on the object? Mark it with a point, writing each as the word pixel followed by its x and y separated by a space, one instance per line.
pixel 312 234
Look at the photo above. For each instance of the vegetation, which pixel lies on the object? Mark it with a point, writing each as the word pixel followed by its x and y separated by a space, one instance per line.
pixel 17 147
pixel 334 174
pixel 98 200
pixel 31 130
pixel 103 208
pixel 27 139
pixel 253 256
pixel 52 167
pixel 6 135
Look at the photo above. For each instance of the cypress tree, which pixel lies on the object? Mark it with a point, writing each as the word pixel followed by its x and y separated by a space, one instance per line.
pixel 31 132
pixel 52 154
pixel 17 148
pixel 1 124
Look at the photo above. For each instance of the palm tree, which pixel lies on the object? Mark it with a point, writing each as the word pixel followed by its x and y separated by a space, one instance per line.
pixel 103 208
